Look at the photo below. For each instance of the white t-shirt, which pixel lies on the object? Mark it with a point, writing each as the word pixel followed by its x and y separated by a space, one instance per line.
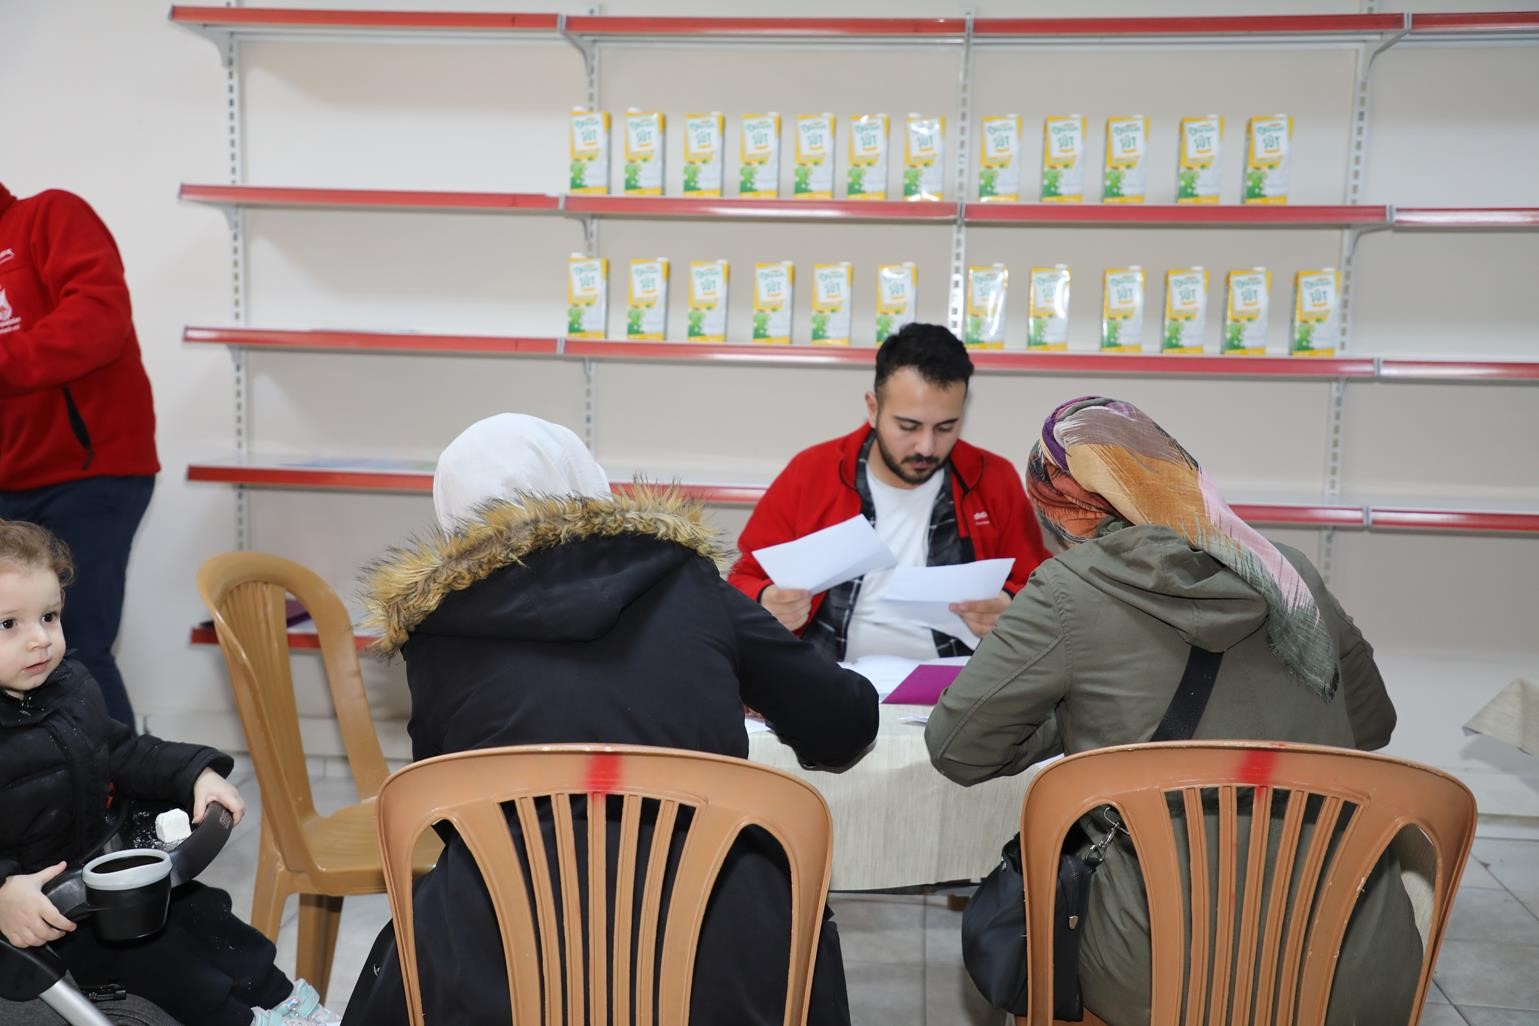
pixel 903 522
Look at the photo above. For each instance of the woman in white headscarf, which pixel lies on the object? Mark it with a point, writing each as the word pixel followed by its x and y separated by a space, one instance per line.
pixel 547 609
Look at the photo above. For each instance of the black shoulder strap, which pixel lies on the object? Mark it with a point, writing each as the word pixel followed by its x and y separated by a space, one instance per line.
pixel 1186 708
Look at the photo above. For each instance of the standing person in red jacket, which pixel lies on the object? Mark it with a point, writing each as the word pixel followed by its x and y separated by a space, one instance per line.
pixel 77 425
pixel 934 499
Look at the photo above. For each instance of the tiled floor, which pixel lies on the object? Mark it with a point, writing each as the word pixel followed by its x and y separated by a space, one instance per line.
pixel 903 957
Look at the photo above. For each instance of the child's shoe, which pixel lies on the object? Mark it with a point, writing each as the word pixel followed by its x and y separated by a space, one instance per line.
pixel 302 1008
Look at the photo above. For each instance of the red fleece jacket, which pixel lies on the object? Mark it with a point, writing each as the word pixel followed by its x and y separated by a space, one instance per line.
pixel 817 490
pixel 74 399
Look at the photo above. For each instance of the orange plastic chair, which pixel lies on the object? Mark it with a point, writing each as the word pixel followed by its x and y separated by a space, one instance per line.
pixel 1285 958
pixel 721 795
pixel 321 858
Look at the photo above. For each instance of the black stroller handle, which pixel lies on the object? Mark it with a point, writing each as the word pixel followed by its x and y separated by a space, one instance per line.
pixel 67 890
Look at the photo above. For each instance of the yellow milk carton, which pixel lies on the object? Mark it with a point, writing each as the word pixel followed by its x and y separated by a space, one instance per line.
pixel 1316 313
pixel 1268 157
pixel 1186 310
pixel 924 146
pixel 1063 159
pixel 1245 313
pixel 759 177
pixel 1127 149
pixel 1122 310
pixel 999 163
pixel 897 289
pixel 772 287
pixel 589 172
pixel 1201 144
pixel 867 172
pixel 644 133
pixel 814 172
pixel 646 314
pixel 587 297
pixel 708 300
pixel 1047 327
pixel 832 285
pixel 702 154
pixel 986 287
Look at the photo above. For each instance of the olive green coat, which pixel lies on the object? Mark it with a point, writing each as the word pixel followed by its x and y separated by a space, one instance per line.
pixel 1089 655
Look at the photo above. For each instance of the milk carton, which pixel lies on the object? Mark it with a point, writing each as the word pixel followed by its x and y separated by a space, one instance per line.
pixel 1047 326
pixel 999 164
pixel 1186 310
pixel 759 177
pixel 1127 149
pixel 587 297
pixel 897 291
pixel 1201 144
pixel 772 286
pixel 644 133
pixel 1063 159
pixel 646 315
pixel 985 328
pixel 814 172
pixel 589 144
pixel 1268 157
pixel 924 146
pixel 708 300
pixel 832 286
pixel 867 172
pixel 1122 310
pixel 1245 312
pixel 1316 313
pixel 702 154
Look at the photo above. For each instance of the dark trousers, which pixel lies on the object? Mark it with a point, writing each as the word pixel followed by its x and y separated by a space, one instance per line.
pixel 96 517
pixel 207 967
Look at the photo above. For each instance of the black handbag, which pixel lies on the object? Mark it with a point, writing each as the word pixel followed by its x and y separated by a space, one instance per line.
pixel 994 923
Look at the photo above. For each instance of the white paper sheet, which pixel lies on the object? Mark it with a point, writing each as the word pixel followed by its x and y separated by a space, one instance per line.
pixel 755 726
pixel 822 559
pixel 925 593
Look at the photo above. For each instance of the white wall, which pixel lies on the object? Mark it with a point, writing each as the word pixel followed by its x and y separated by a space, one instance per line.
pixel 116 104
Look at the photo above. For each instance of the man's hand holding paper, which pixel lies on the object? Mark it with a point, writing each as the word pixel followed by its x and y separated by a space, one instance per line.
pixel 929 594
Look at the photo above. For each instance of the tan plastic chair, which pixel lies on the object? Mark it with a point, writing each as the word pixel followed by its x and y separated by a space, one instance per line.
pixel 321 858
pixel 1296 947
pixel 465 789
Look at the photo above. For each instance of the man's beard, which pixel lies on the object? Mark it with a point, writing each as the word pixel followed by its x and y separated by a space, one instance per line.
pixel 910 471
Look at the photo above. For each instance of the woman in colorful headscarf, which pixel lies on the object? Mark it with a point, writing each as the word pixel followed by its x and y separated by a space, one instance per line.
pixel 546 609
pixel 1090 653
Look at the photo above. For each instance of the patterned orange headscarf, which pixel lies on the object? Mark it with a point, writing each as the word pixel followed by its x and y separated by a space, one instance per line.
pixel 1102 465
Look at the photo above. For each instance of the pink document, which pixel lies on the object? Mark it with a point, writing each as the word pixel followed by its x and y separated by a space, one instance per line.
pixel 923 686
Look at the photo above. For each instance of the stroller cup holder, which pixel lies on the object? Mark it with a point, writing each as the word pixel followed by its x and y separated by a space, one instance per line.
pixel 125 893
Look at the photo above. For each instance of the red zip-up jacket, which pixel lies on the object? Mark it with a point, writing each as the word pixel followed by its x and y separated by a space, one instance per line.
pixel 74 399
pixel 817 490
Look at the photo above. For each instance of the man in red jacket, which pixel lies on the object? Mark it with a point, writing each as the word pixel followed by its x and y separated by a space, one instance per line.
pixel 77 425
pixel 934 499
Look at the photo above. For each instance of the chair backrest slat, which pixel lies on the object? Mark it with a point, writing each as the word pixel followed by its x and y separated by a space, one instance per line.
pixel 701 803
pixel 1259 917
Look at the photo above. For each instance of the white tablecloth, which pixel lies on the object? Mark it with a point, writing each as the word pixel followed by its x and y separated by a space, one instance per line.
pixel 898 822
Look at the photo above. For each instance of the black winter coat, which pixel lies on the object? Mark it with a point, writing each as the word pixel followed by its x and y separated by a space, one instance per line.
pixel 604 621
pixel 66 768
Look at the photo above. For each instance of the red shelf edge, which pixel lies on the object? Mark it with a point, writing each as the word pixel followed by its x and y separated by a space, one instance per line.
pixel 1394 369
pixel 1305 515
pixel 406 199
pixel 1476 22
pixel 1175 365
pixel 759 209
pixel 1466 217
pixel 311 477
pixel 613 25
pixel 1395 518
pixel 367 341
pixel 718 352
pixel 1260 24
pixel 303 18
pixel 1221 215
pixel 298 640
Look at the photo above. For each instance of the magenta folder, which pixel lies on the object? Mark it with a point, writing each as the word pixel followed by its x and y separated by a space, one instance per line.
pixel 923 686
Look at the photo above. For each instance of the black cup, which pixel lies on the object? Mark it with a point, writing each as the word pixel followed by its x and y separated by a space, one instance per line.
pixel 129 892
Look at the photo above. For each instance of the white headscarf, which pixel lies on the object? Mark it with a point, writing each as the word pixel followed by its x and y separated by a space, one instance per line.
pixel 506 454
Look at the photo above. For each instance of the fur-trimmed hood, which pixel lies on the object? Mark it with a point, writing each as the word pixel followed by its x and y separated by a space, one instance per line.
pixel 559 591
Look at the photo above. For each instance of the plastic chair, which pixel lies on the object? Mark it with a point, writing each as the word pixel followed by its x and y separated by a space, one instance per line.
pixel 1287 954
pixel 721 796
pixel 320 858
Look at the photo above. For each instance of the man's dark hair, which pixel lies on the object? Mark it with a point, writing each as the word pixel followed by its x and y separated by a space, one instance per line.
pixel 931 349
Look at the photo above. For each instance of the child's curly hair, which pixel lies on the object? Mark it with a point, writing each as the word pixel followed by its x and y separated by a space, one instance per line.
pixel 26 546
